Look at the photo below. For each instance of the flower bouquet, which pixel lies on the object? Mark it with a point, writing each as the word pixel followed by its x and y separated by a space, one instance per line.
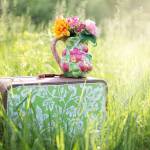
pixel 76 60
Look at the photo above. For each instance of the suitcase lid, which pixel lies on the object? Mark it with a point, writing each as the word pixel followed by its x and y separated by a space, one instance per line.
pixel 8 82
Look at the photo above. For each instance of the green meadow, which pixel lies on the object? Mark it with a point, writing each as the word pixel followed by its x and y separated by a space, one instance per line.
pixel 121 58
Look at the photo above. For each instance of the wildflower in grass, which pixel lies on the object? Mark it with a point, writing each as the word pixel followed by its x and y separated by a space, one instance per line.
pixel 61 28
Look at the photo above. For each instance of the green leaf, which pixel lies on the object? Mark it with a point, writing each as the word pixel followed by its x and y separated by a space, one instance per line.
pixel 85 36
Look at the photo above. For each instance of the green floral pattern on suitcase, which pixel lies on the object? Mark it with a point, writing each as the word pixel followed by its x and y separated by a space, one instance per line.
pixel 72 106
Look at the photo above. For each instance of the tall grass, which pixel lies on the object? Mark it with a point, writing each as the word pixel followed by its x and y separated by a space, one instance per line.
pixel 121 58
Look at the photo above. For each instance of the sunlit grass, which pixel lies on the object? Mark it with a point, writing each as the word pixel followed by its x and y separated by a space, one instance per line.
pixel 121 58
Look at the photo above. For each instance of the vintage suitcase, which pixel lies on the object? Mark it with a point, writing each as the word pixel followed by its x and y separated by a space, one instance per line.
pixel 73 104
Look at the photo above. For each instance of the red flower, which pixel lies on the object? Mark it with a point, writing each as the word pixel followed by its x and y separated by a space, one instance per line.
pixel 82 67
pixel 64 52
pixel 65 67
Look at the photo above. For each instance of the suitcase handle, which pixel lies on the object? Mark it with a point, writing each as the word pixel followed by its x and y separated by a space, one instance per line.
pixel 49 75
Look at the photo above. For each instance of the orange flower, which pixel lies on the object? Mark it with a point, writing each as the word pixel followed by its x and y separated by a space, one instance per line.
pixel 61 28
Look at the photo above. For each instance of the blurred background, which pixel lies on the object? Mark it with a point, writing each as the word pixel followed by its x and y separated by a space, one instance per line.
pixel 25 27
pixel 122 58
pixel 42 11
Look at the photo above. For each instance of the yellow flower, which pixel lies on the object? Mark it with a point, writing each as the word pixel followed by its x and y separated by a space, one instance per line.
pixel 61 28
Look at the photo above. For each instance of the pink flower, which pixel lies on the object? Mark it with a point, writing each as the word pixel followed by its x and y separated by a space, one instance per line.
pixel 80 27
pixel 91 27
pixel 73 22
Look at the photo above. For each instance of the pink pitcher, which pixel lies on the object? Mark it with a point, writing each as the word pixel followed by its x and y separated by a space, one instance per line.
pixel 75 61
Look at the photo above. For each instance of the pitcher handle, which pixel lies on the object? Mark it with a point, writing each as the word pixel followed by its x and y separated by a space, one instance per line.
pixel 54 51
